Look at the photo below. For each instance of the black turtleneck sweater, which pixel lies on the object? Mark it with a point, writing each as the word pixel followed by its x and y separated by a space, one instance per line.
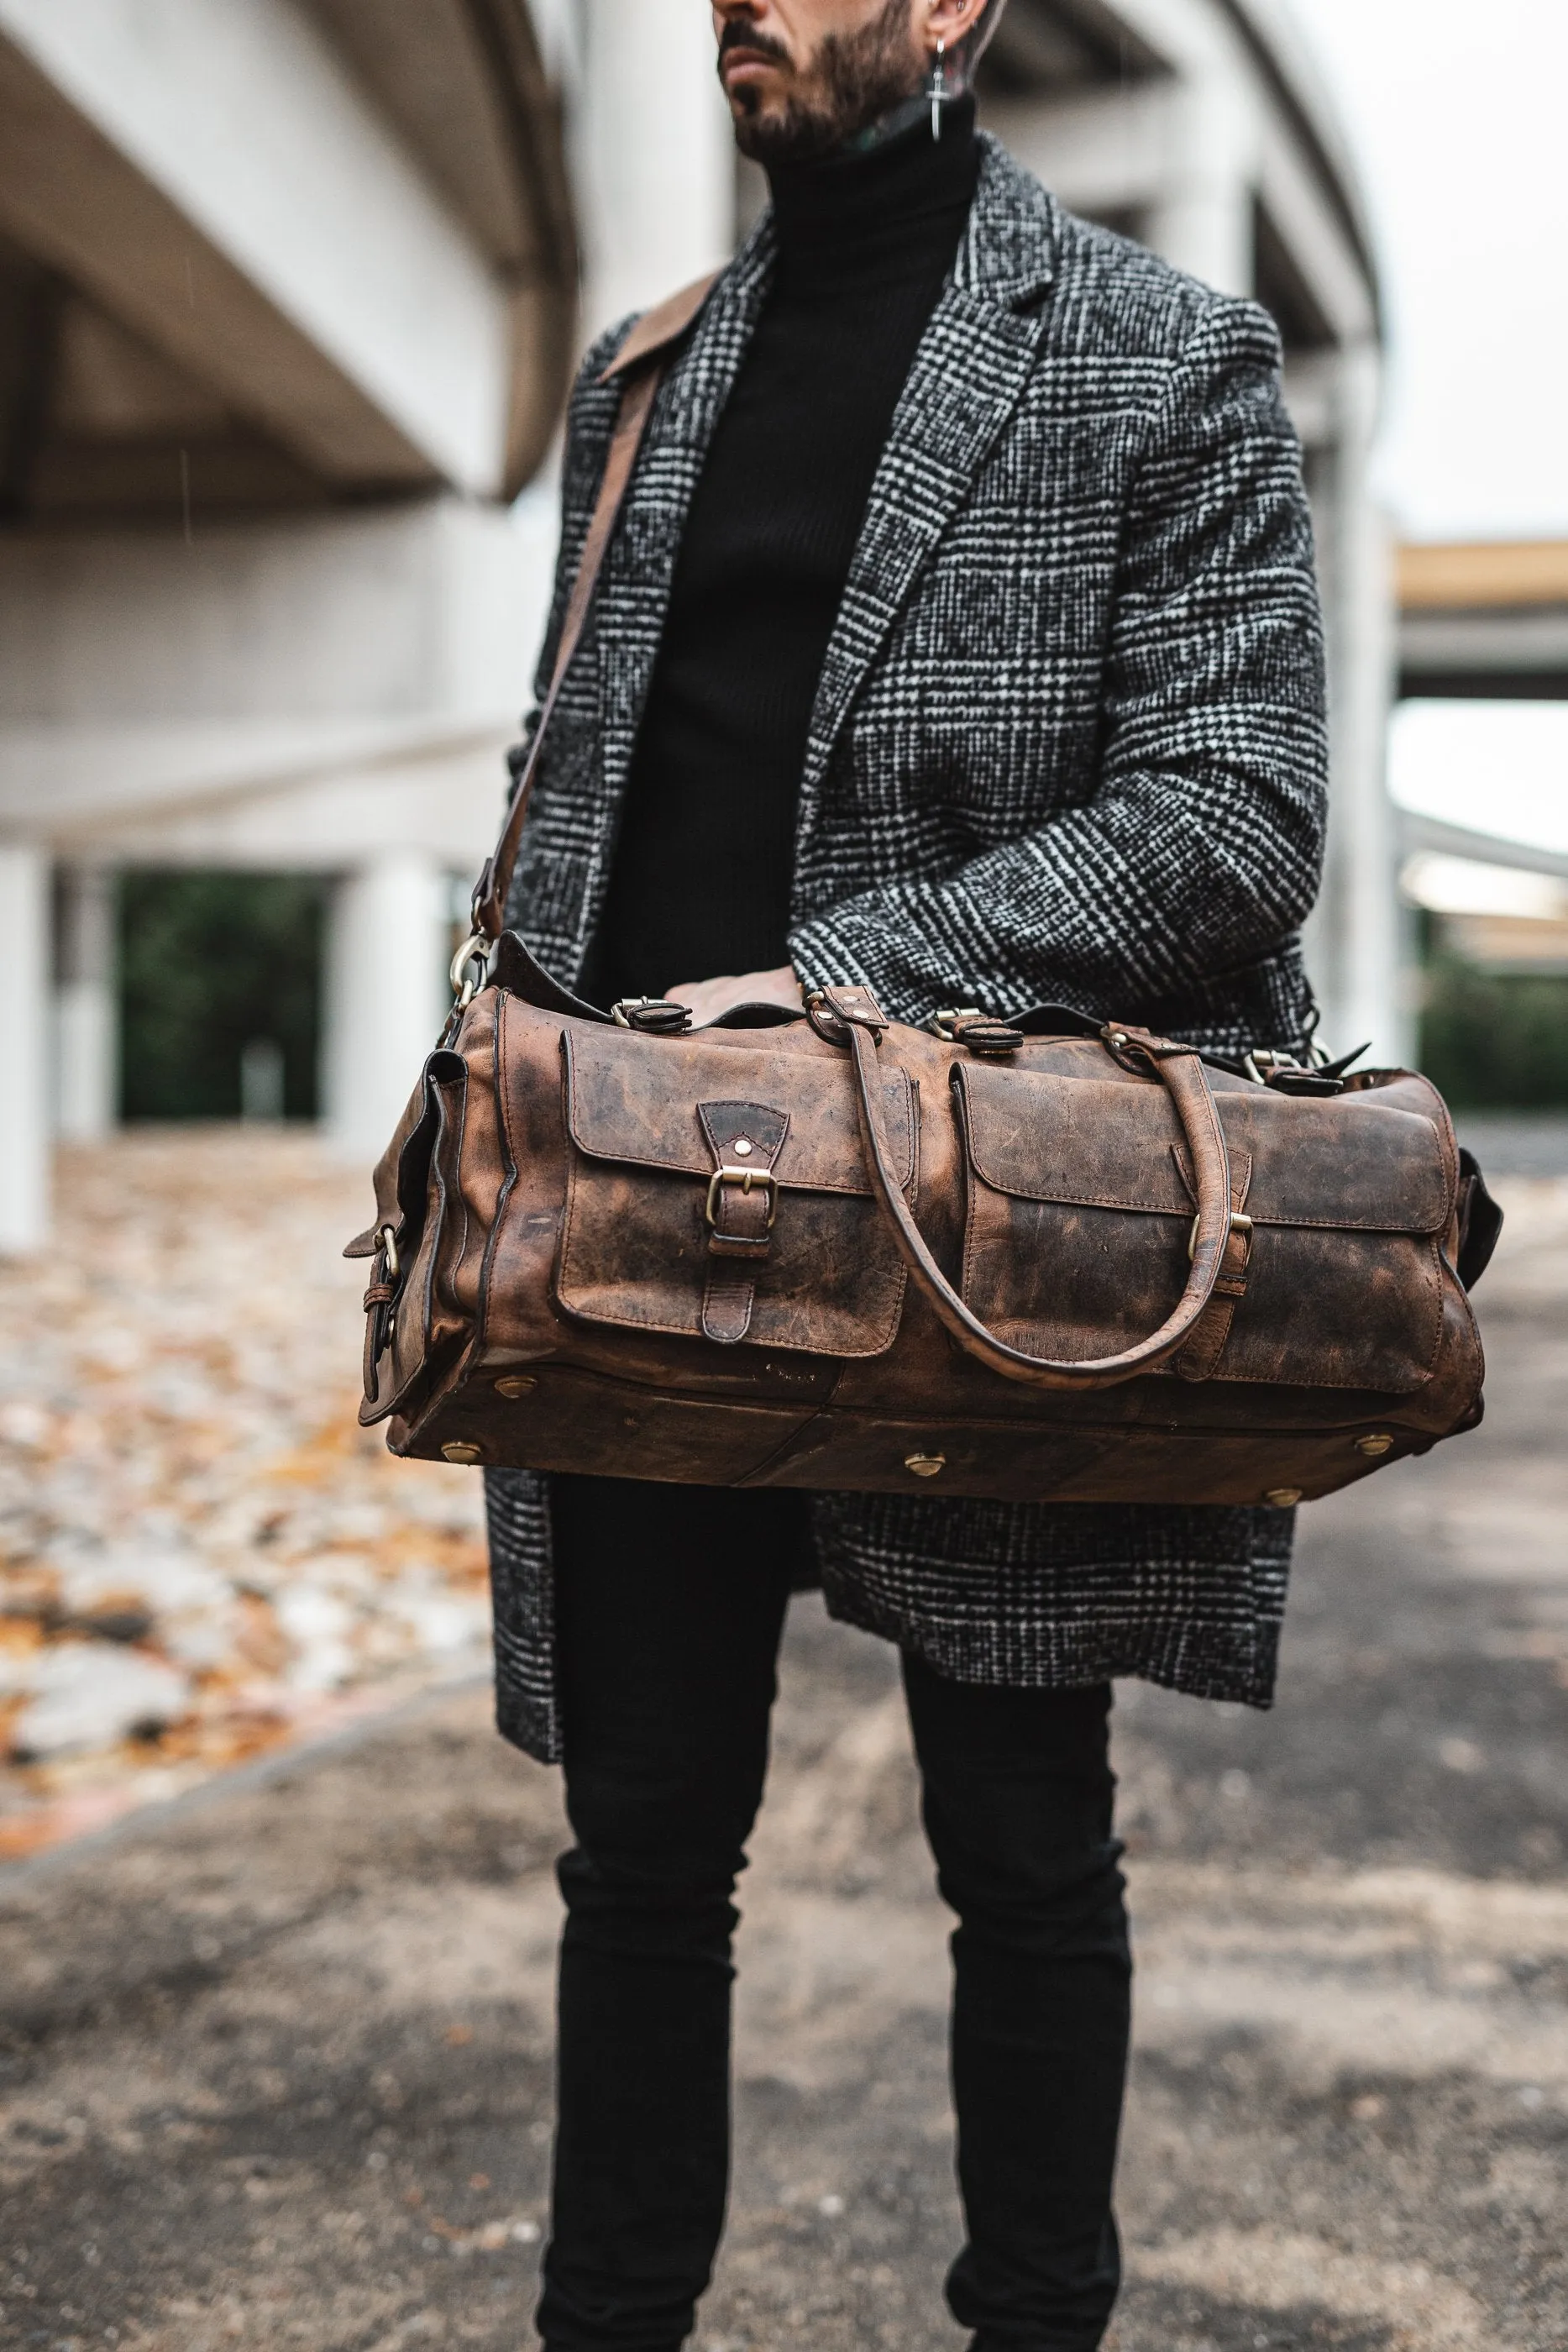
pixel 700 879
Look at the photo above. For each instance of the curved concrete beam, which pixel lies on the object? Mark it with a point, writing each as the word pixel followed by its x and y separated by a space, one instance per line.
pixel 1431 835
pixel 213 173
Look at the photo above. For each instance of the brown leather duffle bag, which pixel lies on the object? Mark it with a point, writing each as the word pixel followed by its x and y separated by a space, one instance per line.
pixel 1043 1260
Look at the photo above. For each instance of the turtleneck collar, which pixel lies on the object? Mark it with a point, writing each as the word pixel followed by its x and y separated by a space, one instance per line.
pixel 848 215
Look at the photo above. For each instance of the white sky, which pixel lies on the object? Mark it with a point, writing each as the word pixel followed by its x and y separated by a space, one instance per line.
pixel 1495 767
pixel 1457 113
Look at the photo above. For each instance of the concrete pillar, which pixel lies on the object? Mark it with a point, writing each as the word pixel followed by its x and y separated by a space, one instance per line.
pixel 656 153
pixel 1356 940
pixel 1202 221
pixel 386 996
pixel 87 1025
pixel 23 1046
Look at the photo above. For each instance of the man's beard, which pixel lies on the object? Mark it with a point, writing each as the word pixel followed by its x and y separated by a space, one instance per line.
pixel 857 76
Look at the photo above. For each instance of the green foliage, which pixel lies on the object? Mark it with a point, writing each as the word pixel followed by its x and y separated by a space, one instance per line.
pixel 208 962
pixel 1494 1041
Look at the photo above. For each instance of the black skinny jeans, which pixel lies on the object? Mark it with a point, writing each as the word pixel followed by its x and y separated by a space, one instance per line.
pixel 672 1603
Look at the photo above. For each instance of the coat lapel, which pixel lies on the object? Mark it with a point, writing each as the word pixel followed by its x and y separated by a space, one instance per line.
pixel 635 592
pixel 969 371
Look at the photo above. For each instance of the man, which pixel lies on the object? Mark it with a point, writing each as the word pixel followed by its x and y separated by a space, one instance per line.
pixel 958 637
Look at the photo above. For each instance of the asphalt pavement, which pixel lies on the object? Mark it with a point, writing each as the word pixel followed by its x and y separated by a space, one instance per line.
pixel 275 2065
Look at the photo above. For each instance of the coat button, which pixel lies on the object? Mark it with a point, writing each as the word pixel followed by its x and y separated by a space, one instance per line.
pixel 455 1451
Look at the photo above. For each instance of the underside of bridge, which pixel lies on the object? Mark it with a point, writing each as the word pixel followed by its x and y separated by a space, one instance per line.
pixel 1485 621
pixel 281 257
pixel 288 302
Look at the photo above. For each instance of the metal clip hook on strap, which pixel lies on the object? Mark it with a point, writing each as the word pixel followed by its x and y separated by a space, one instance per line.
pixel 470 968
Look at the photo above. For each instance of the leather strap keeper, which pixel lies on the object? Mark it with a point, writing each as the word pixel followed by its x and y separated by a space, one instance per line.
pixel 746 1139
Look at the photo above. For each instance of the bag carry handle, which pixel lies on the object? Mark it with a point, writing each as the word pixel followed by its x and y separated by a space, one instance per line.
pixel 1181 1072
pixel 639 368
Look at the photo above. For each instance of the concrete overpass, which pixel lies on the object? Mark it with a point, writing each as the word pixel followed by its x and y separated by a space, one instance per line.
pixel 288 294
pixel 1485 621
pixel 287 298
pixel 1478 623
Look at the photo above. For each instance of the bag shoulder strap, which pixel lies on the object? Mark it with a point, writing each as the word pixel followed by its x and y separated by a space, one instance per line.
pixel 638 368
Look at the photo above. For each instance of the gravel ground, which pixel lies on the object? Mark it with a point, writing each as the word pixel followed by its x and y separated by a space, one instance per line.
pixel 275 2060
pixel 200 1555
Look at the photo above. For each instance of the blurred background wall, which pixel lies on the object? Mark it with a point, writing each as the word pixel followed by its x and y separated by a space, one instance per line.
pixel 290 292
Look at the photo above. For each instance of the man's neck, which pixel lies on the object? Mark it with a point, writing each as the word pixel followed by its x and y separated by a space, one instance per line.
pixel 899 118
pixel 836 201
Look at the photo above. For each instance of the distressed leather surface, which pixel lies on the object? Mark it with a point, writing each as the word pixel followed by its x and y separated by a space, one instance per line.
pixel 1348 1162
pixel 1080 1204
pixel 547 1194
pixel 637 1252
pixel 623 1106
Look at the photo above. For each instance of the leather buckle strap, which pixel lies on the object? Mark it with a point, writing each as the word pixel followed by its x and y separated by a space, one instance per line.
pixel 761 1180
pixel 1239 1224
pixel 1199 1359
pixel 741 1209
pixel 654 1017
pixel 966 1024
pixel 1139 1049
pixel 379 1302
pixel 834 1011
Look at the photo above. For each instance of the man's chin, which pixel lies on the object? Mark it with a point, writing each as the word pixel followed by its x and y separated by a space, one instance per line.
pixel 780 134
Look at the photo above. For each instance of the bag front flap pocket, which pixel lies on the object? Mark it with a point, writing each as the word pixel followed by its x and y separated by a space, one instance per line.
pixel 1081 1211
pixel 634 1100
pixel 1343 1161
pixel 721 1193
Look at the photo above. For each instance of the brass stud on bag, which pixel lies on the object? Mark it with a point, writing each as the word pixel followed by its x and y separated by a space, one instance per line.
pixel 1282 1497
pixel 926 1466
pixel 1375 1446
pixel 517 1384
pixel 455 1449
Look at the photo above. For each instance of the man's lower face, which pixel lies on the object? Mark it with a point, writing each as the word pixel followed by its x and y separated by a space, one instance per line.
pixel 820 87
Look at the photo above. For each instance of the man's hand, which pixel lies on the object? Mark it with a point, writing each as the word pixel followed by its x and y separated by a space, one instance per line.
pixel 707 999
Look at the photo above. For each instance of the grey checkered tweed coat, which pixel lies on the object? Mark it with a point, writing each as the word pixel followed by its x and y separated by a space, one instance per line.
pixel 1068 747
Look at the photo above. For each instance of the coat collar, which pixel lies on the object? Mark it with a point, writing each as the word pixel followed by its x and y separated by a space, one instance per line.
pixel 1014 232
pixel 947 416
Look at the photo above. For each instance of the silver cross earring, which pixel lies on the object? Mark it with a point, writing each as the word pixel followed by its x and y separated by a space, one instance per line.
pixel 938 89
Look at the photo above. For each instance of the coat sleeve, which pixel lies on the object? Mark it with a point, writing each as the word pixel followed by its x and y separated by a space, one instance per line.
pixel 1201 846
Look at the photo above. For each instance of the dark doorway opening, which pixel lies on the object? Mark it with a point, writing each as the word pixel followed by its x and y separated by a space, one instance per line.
pixel 220 978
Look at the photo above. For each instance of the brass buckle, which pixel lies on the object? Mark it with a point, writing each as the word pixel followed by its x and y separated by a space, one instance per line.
pixel 944 1023
pixel 1239 1224
pixel 745 1178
